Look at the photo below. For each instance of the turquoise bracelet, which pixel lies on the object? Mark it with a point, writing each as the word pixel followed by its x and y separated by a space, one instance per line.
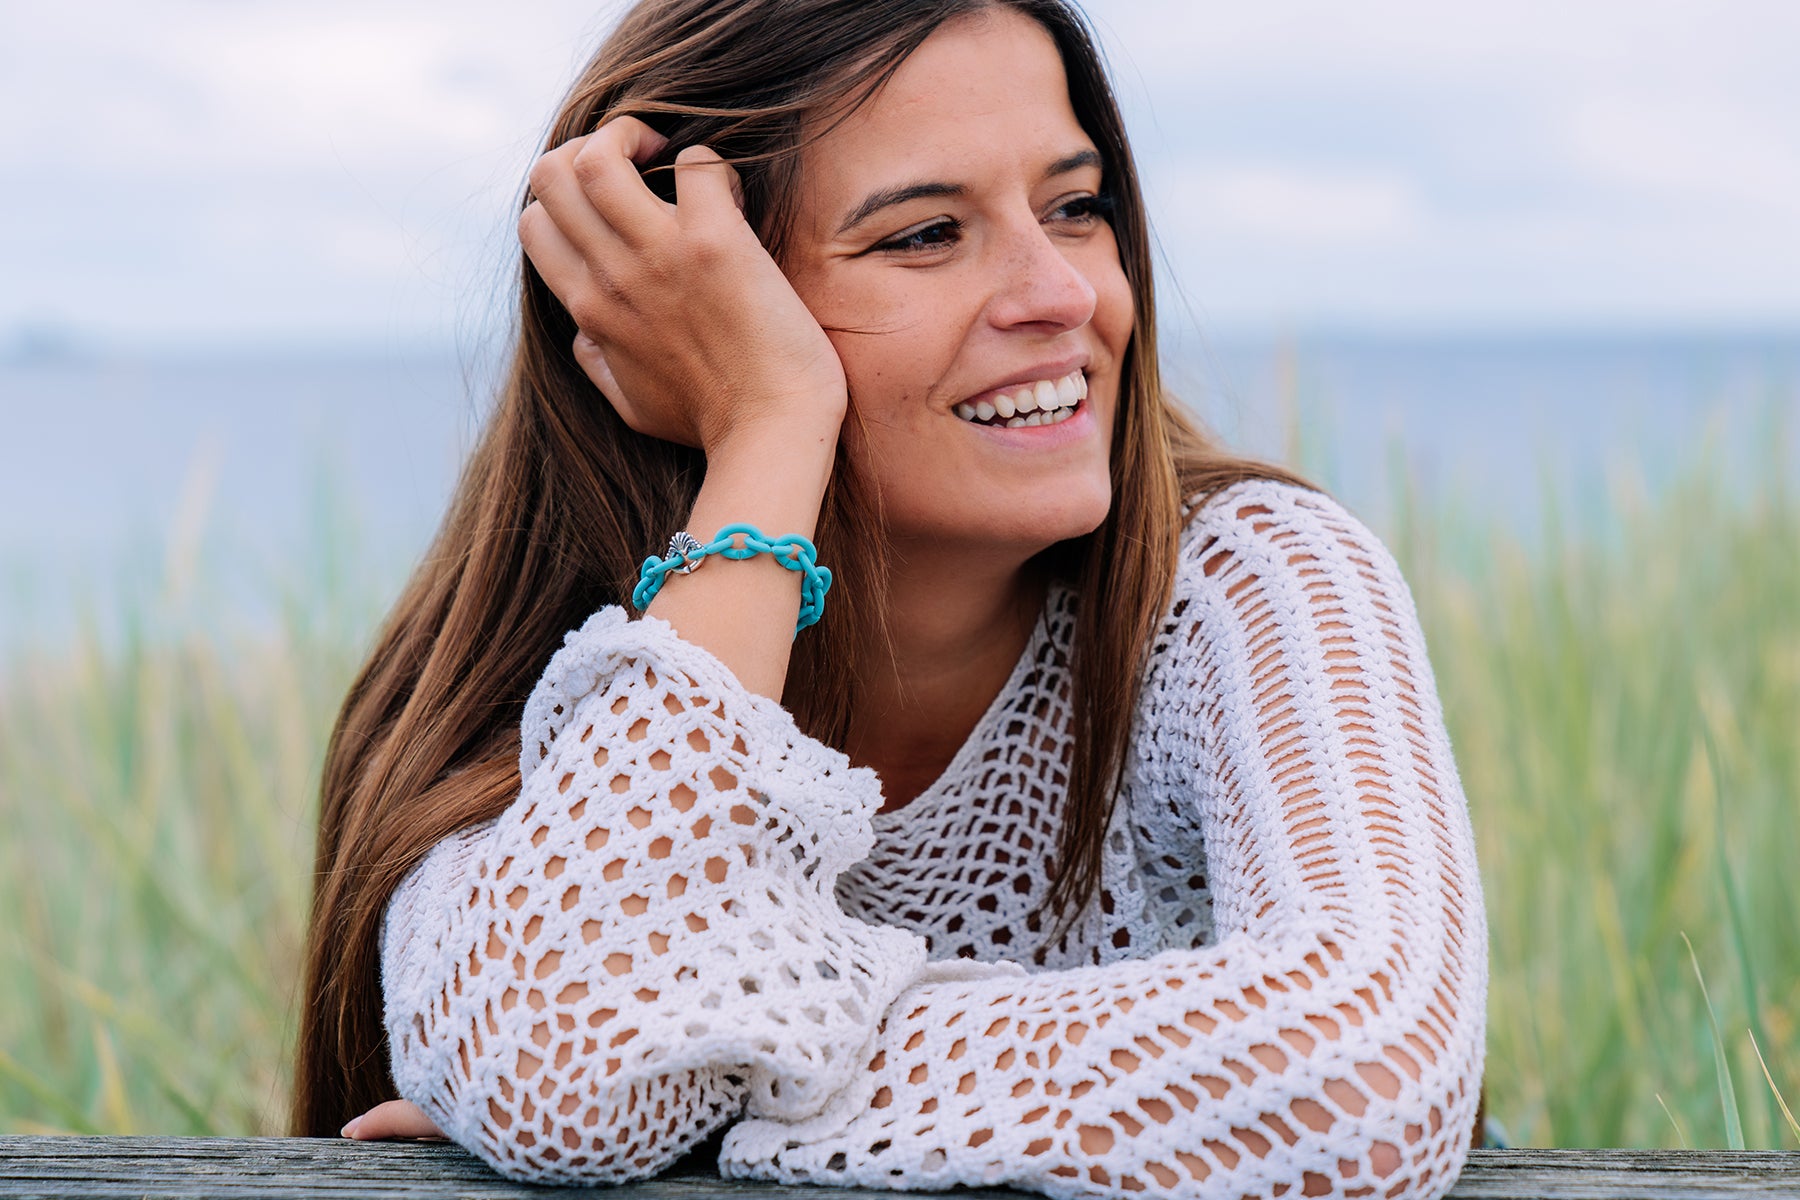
pixel 793 552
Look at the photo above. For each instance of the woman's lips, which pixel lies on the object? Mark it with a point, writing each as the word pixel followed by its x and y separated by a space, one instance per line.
pixel 1042 437
pixel 1030 404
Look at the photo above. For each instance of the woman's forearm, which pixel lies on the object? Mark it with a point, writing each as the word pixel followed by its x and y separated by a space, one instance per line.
pixel 1331 1036
pixel 743 610
pixel 650 929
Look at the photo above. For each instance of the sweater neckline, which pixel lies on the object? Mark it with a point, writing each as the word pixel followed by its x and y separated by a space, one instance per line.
pixel 980 735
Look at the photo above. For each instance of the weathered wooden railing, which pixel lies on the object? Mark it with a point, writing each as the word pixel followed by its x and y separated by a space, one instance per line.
pixel 106 1168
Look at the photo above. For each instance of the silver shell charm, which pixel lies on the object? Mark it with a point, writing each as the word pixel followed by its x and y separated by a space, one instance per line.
pixel 684 547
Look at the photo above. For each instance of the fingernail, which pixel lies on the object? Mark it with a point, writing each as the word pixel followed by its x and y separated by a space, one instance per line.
pixel 349 1130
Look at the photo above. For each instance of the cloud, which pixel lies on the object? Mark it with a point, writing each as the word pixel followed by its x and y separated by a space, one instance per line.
pixel 1694 146
pixel 272 86
pixel 1534 163
pixel 198 168
pixel 1528 42
pixel 1315 207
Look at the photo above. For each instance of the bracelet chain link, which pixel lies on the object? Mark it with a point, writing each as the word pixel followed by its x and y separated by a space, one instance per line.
pixel 686 555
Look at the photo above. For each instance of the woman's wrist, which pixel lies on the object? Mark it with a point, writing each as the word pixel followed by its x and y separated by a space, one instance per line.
pixel 801 439
pixel 744 612
pixel 772 473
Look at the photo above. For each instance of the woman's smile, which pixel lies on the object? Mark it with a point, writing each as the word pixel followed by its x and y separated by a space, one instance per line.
pixel 954 239
pixel 1039 399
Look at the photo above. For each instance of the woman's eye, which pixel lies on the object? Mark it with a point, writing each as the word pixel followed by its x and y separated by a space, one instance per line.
pixel 1084 210
pixel 924 237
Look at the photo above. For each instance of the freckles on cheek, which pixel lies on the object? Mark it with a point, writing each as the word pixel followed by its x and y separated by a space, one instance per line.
pixel 891 379
pixel 853 300
pixel 1117 316
pixel 1115 309
pixel 892 410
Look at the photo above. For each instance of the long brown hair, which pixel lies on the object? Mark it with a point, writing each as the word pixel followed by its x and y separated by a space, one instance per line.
pixel 560 501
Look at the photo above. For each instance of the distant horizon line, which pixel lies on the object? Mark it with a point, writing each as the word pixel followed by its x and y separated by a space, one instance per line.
pixel 28 345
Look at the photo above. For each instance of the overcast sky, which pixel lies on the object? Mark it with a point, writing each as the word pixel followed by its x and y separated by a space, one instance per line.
pixel 203 171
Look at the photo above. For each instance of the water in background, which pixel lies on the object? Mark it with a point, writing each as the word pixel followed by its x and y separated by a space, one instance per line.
pixel 1502 427
pixel 126 476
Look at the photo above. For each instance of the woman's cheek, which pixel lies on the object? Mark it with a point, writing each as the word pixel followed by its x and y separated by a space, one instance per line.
pixel 1115 309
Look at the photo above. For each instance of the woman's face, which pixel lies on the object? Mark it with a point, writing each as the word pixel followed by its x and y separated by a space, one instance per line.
pixel 951 238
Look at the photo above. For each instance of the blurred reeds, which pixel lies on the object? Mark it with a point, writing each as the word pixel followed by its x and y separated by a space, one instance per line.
pixel 1623 697
pixel 1624 703
pixel 158 777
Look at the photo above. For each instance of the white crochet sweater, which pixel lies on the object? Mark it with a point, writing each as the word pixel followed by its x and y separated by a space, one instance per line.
pixel 694 915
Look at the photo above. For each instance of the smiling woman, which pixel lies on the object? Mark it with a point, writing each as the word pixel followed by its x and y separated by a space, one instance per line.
pixel 1089 826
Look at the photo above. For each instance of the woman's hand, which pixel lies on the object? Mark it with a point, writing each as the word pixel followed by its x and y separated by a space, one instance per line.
pixel 395 1119
pixel 687 325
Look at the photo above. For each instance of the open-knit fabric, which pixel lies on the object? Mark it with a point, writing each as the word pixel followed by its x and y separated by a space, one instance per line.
pixel 694 915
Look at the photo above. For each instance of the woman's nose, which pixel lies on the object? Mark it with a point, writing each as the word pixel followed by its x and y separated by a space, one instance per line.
pixel 1038 285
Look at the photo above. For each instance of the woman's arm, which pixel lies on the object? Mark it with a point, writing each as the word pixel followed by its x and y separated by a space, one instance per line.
pixel 692 333
pixel 646 943
pixel 1332 1039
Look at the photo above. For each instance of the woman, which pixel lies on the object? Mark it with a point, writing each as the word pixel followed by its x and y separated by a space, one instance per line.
pixel 1082 692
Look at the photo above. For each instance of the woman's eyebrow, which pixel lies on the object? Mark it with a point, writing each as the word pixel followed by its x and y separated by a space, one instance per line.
pixel 888 197
pixel 1075 162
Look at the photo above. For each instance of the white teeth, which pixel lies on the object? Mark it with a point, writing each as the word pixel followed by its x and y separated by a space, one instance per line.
pixel 1046 402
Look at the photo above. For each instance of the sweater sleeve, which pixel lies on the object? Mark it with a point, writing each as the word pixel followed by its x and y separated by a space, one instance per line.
pixel 645 944
pixel 1331 1040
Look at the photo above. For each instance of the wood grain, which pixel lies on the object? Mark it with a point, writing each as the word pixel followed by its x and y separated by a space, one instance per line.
pixel 319 1169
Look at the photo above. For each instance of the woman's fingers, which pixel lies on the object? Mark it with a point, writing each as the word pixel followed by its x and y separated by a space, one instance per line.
pixel 558 192
pixel 636 140
pixel 563 267
pixel 606 169
pixel 706 186
pixel 572 280
pixel 592 360
pixel 683 312
pixel 592 221
pixel 395 1119
pixel 591 187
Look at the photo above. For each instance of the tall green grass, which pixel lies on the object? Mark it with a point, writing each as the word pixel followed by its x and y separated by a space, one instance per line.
pixel 157 780
pixel 1624 700
pixel 1624 703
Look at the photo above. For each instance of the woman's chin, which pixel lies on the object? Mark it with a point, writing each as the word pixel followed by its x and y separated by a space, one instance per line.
pixel 1021 527
pixel 1077 513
